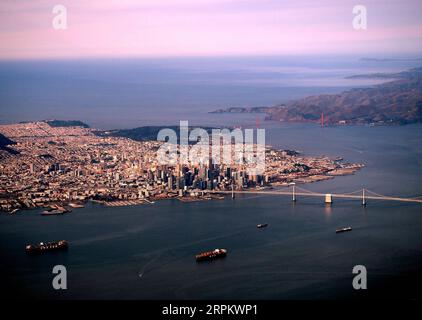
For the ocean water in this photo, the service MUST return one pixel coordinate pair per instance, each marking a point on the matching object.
(147, 251)
(130, 93)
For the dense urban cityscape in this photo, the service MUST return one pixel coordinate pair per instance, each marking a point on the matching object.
(57, 167)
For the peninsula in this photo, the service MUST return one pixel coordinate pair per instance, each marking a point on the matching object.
(65, 166)
(394, 102)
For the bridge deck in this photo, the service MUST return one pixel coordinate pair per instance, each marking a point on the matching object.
(314, 194)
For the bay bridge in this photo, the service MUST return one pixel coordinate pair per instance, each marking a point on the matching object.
(362, 194)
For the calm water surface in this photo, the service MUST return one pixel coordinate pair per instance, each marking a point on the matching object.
(147, 251)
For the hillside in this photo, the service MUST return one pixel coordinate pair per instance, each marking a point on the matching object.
(5, 142)
(66, 123)
(398, 101)
(146, 133)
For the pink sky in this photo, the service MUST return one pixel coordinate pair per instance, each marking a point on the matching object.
(156, 28)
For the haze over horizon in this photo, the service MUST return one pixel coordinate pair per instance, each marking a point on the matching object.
(185, 28)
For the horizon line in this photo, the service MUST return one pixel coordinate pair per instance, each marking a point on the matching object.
(377, 56)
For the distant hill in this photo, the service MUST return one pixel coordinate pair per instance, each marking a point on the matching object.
(66, 123)
(241, 110)
(398, 101)
(5, 142)
(412, 73)
(146, 133)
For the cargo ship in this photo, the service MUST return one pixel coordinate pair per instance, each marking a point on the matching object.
(54, 210)
(76, 205)
(344, 229)
(262, 225)
(47, 246)
(211, 255)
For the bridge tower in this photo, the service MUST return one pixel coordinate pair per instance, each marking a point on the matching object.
(293, 191)
(328, 198)
(363, 197)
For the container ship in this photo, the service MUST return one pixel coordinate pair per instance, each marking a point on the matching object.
(47, 246)
(344, 229)
(76, 205)
(211, 255)
(55, 210)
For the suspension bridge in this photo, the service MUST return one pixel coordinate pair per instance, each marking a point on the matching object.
(362, 194)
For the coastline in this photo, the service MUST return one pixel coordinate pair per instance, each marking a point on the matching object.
(188, 197)
(73, 164)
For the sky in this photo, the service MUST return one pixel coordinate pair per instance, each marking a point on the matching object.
(174, 28)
